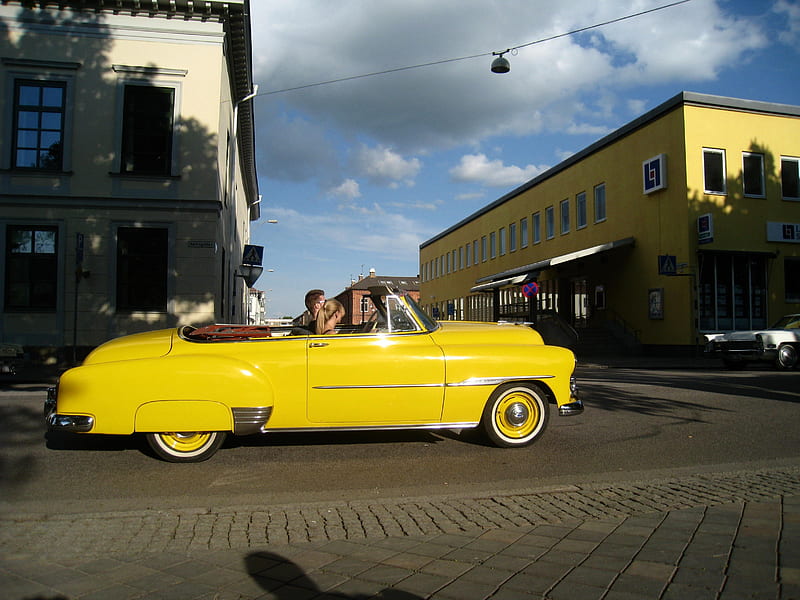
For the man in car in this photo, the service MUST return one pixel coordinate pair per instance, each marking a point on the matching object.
(314, 300)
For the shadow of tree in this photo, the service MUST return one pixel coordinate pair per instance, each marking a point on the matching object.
(285, 580)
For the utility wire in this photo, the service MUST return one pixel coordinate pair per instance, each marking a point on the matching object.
(450, 60)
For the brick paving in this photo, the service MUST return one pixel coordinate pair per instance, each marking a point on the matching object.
(721, 536)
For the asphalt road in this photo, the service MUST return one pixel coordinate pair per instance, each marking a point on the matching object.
(638, 424)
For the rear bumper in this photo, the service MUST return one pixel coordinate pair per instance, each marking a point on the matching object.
(70, 423)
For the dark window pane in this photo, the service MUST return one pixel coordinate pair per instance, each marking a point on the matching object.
(52, 96)
(790, 174)
(39, 125)
(713, 169)
(753, 175)
(28, 95)
(31, 268)
(147, 130)
(142, 269)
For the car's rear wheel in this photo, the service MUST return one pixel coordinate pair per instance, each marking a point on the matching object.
(787, 357)
(193, 446)
(515, 415)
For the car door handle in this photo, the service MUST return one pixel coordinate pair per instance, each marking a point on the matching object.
(317, 344)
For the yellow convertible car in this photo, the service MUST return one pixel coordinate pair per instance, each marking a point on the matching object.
(185, 389)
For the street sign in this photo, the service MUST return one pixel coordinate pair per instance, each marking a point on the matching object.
(530, 289)
(667, 264)
(253, 255)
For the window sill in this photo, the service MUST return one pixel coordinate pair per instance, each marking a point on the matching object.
(37, 172)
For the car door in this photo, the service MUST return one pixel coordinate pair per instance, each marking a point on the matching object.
(380, 378)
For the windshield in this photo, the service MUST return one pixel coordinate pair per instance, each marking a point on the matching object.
(788, 322)
(421, 315)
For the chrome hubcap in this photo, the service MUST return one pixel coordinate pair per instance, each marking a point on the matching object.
(517, 414)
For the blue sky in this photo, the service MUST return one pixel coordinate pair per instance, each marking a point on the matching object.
(358, 173)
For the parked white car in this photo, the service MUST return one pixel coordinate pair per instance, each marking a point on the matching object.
(779, 344)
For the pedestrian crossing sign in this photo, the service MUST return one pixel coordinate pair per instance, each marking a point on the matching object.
(253, 255)
(667, 264)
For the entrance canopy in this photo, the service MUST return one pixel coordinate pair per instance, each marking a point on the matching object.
(519, 275)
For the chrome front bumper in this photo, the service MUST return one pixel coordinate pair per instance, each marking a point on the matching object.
(575, 407)
(70, 423)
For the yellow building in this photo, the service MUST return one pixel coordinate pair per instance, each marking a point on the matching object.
(684, 221)
(127, 167)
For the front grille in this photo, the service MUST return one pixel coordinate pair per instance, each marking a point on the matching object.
(737, 346)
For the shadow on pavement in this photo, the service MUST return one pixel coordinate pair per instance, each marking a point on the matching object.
(285, 580)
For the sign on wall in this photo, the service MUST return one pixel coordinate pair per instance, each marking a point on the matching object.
(783, 232)
(705, 229)
(655, 173)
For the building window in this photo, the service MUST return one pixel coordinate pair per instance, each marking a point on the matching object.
(493, 244)
(31, 268)
(732, 291)
(523, 232)
(564, 216)
(537, 228)
(580, 210)
(365, 306)
(38, 136)
(147, 130)
(483, 248)
(503, 241)
(460, 257)
(753, 174)
(600, 203)
(449, 266)
(790, 178)
(791, 278)
(142, 259)
(714, 171)
(474, 252)
(512, 237)
(549, 222)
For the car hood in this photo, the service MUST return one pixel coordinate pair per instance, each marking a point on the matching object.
(454, 332)
(151, 344)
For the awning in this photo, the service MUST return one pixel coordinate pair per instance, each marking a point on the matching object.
(531, 271)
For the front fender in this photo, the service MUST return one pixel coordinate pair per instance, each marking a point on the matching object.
(184, 390)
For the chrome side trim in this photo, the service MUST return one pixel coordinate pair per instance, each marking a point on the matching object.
(71, 423)
(497, 380)
(373, 387)
(465, 425)
(248, 420)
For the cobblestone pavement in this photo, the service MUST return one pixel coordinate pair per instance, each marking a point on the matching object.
(723, 535)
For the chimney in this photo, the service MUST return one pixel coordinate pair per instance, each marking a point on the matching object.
(372, 272)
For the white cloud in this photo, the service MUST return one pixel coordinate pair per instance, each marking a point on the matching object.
(381, 165)
(478, 168)
(791, 12)
(347, 190)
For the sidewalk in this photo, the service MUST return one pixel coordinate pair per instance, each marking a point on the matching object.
(726, 535)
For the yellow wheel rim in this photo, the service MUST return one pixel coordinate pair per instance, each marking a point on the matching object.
(185, 442)
(517, 415)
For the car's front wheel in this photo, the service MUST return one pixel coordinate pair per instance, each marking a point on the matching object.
(194, 446)
(787, 357)
(515, 415)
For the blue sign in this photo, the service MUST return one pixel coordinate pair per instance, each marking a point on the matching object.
(253, 255)
(667, 264)
(655, 173)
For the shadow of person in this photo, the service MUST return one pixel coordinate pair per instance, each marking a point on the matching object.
(281, 578)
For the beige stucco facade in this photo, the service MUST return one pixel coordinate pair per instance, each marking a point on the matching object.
(199, 200)
(605, 270)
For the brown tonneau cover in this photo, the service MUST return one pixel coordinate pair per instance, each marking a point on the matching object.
(229, 332)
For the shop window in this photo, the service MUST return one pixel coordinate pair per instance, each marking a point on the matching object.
(580, 210)
(791, 278)
(790, 178)
(31, 265)
(564, 207)
(38, 137)
(549, 222)
(142, 259)
(732, 291)
(147, 130)
(523, 232)
(753, 174)
(600, 203)
(714, 171)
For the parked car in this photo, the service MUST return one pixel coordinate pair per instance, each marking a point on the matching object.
(184, 389)
(779, 344)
